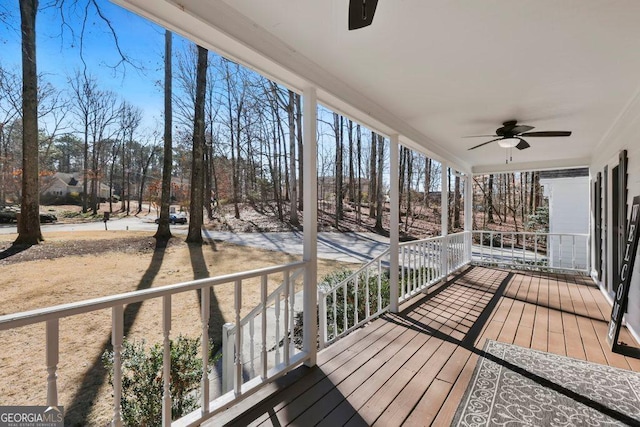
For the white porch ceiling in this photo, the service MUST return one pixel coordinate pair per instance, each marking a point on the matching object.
(434, 71)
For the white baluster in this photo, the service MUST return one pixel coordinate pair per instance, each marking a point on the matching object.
(53, 333)
(228, 357)
(380, 285)
(238, 306)
(117, 330)
(285, 337)
(277, 312)
(292, 315)
(205, 294)
(345, 309)
(368, 302)
(263, 299)
(252, 367)
(403, 271)
(355, 302)
(335, 313)
(322, 301)
(166, 360)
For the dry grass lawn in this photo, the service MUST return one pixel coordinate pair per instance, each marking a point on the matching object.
(126, 262)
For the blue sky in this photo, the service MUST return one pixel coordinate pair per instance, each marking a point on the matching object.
(59, 53)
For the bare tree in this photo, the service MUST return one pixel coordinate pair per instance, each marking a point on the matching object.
(197, 169)
(103, 114)
(84, 89)
(10, 107)
(337, 128)
(379, 185)
(373, 176)
(130, 119)
(293, 189)
(29, 232)
(164, 232)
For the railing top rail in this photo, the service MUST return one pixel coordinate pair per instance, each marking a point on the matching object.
(24, 318)
(537, 233)
(355, 273)
(429, 239)
(272, 297)
(383, 254)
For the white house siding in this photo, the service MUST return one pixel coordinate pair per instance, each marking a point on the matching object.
(568, 214)
(57, 188)
(625, 136)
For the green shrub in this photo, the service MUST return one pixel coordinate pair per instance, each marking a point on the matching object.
(538, 221)
(142, 379)
(334, 278)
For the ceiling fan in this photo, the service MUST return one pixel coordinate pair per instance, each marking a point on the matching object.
(511, 133)
(361, 13)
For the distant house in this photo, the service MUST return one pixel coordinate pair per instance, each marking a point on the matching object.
(568, 193)
(63, 184)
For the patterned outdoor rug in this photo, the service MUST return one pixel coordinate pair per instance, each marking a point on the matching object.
(518, 386)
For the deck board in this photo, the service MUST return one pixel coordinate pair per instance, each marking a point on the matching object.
(413, 367)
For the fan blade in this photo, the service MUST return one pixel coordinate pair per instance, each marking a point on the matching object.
(548, 133)
(484, 143)
(361, 13)
(521, 128)
(522, 144)
(480, 136)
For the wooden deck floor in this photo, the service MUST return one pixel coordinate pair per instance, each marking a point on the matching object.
(413, 367)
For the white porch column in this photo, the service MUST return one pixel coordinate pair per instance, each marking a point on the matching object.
(444, 218)
(444, 199)
(468, 213)
(394, 220)
(310, 222)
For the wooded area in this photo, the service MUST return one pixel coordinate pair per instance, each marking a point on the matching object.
(232, 138)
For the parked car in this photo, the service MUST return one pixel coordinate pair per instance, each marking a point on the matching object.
(47, 218)
(9, 216)
(175, 219)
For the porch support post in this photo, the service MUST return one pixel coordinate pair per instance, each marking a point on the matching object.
(444, 199)
(444, 218)
(310, 223)
(468, 214)
(394, 220)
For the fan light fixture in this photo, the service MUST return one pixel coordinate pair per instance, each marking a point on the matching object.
(508, 142)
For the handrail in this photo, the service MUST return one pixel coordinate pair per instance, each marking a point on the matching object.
(271, 298)
(29, 317)
(362, 268)
(534, 250)
(422, 263)
(51, 316)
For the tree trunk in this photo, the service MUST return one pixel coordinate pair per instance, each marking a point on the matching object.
(373, 179)
(300, 148)
(352, 188)
(490, 219)
(197, 162)
(409, 211)
(427, 181)
(380, 195)
(29, 232)
(293, 187)
(337, 122)
(456, 203)
(359, 192)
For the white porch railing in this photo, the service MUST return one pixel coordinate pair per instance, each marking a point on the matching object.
(241, 385)
(264, 348)
(535, 251)
(268, 332)
(365, 294)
